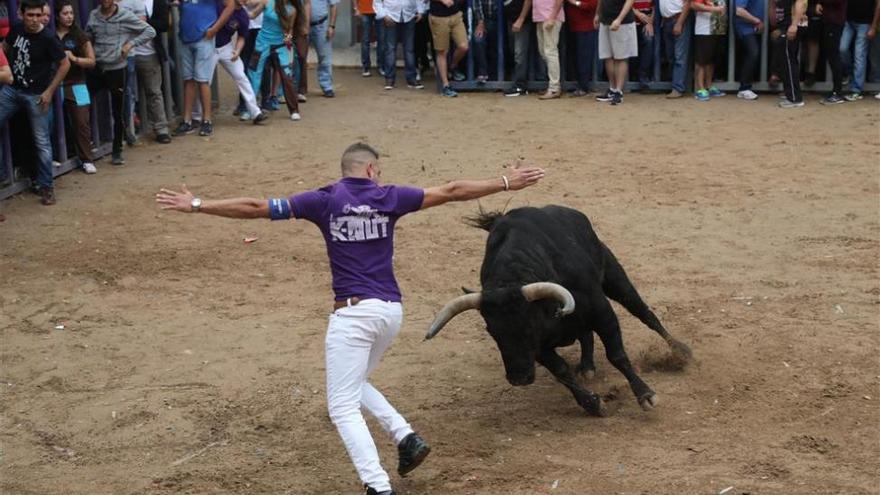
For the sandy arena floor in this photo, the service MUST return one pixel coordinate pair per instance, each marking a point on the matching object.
(191, 362)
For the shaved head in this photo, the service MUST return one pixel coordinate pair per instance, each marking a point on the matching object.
(357, 157)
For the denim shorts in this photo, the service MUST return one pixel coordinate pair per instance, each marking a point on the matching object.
(197, 61)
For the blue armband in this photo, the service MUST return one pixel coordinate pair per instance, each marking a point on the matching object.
(279, 209)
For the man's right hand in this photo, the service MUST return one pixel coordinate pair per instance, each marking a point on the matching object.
(174, 200)
(759, 27)
(517, 26)
(677, 29)
(548, 24)
(389, 22)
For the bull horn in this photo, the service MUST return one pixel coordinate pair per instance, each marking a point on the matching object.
(453, 308)
(545, 290)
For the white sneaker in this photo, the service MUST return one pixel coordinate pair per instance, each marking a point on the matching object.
(747, 94)
(245, 116)
(89, 168)
(877, 96)
(365, 73)
(295, 116)
(301, 98)
(56, 163)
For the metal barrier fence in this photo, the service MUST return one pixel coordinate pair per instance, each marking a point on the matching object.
(13, 179)
(728, 82)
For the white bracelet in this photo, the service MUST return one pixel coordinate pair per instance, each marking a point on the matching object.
(506, 183)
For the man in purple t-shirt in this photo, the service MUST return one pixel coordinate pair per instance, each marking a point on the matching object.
(357, 217)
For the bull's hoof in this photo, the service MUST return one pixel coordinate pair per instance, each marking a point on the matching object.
(649, 401)
(595, 407)
(585, 372)
(681, 351)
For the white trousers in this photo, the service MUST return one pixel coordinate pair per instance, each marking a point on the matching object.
(357, 337)
(236, 72)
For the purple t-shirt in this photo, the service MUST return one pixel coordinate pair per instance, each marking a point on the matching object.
(357, 217)
(238, 23)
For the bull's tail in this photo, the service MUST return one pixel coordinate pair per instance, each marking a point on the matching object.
(484, 219)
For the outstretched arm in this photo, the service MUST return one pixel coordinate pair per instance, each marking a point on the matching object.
(229, 208)
(464, 190)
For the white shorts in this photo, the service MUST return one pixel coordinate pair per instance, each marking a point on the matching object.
(619, 45)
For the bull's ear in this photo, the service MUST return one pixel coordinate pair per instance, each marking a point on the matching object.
(468, 291)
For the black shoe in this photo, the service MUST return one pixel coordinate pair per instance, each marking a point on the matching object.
(184, 128)
(411, 451)
(207, 128)
(370, 491)
(117, 159)
(515, 91)
(616, 98)
(260, 117)
(47, 195)
(328, 93)
(163, 138)
(415, 84)
(607, 96)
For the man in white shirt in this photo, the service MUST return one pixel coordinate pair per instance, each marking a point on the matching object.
(677, 32)
(148, 60)
(400, 18)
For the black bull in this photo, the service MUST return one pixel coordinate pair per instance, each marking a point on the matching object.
(537, 259)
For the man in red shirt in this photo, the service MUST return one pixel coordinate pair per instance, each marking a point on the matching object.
(580, 14)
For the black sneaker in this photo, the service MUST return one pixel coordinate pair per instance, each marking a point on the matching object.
(163, 138)
(206, 129)
(184, 128)
(515, 91)
(415, 85)
(260, 117)
(117, 159)
(411, 451)
(607, 96)
(370, 491)
(47, 196)
(616, 98)
(833, 99)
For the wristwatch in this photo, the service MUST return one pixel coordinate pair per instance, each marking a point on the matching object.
(195, 204)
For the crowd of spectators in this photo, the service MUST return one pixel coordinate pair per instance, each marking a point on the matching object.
(263, 45)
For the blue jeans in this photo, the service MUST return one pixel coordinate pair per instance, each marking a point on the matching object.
(406, 32)
(676, 49)
(12, 100)
(586, 44)
(370, 24)
(486, 50)
(324, 48)
(857, 62)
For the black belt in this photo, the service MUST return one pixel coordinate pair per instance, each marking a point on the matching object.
(319, 21)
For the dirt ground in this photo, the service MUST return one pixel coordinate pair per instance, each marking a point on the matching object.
(192, 362)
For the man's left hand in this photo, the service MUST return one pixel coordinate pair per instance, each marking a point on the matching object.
(548, 24)
(331, 32)
(615, 25)
(792, 32)
(174, 200)
(522, 177)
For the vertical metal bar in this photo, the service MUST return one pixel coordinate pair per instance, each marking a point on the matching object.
(173, 30)
(499, 32)
(658, 40)
(12, 5)
(731, 42)
(765, 36)
(166, 79)
(470, 54)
